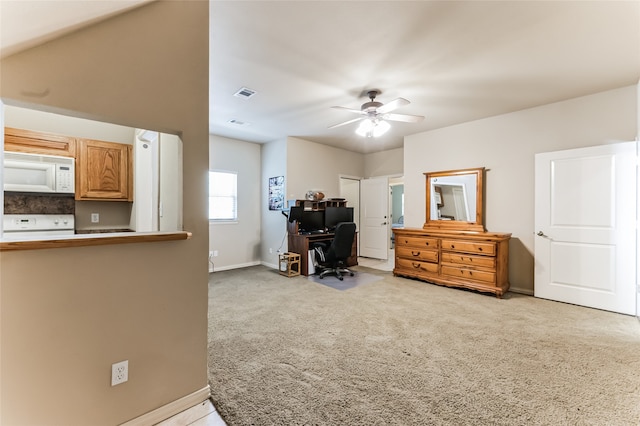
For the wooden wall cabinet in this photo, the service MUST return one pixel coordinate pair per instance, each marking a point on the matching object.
(104, 171)
(31, 142)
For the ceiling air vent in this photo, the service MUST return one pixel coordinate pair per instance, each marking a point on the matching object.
(244, 93)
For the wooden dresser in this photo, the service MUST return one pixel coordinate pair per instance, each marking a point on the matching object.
(473, 260)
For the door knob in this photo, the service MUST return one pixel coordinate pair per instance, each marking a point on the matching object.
(383, 223)
(540, 234)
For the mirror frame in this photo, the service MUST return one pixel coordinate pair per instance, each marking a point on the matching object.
(459, 225)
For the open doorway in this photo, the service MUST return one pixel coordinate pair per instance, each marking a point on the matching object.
(396, 205)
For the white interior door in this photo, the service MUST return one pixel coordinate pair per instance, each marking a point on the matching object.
(350, 191)
(459, 197)
(374, 209)
(585, 210)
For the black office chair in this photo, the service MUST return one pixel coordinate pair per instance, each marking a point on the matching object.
(333, 259)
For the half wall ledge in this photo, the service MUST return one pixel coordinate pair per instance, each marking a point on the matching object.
(80, 240)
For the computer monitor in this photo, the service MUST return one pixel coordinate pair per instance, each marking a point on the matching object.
(312, 220)
(334, 215)
(295, 213)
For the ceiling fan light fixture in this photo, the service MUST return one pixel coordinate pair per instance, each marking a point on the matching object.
(381, 128)
(365, 127)
(372, 128)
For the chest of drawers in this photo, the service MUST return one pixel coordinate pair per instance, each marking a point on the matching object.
(474, 260)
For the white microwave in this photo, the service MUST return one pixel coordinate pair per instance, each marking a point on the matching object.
(38, 173)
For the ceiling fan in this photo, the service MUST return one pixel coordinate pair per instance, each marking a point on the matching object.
(376, 114)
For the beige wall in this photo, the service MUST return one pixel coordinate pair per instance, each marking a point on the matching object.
(384, 163)
(638, 206)
(312, 166)
(238, 243)
(67, 314)
(506, 146)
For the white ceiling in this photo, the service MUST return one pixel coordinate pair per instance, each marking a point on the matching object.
(456, 61)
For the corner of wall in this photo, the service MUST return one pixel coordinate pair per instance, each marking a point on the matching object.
(274, 162)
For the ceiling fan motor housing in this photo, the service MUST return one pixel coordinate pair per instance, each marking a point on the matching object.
(371, 106)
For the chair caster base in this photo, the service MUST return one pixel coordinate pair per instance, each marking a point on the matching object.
(338, 273)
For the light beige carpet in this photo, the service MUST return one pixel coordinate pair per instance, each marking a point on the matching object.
(288, 351)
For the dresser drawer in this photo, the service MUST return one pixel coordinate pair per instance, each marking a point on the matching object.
(469, 247)
(468, 260)
(416, 266)
(431, 243)
(469, 274)
(417, 254)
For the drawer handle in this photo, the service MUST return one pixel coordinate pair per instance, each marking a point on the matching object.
(415, 265)
(426, 243)
(413, 253)
(479, 248)
(452, 246)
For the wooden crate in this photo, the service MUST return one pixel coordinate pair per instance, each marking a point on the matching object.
(289, 264)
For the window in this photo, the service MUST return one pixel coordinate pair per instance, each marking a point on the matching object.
(223, 196)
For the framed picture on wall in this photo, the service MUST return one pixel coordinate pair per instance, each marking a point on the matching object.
(276, 193)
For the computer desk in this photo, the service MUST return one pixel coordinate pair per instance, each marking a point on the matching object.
(301, 243)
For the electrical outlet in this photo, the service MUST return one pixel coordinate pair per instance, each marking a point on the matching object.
(270, 250)
(215, 253)
(119, 372)
(95, 217)
(210, 254)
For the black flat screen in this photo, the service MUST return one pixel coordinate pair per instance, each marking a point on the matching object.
(335, 215)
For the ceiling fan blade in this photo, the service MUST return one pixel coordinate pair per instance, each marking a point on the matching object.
(346, 122)
(357, 111)
(407, 118)
(394, 104)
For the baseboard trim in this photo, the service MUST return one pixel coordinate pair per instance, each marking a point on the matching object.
(171, 409)
(269, 265)
(521, 291)
(238, 266)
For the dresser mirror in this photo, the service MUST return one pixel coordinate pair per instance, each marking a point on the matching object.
(454, 199)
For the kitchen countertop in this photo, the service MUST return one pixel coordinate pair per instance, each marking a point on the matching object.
(93, 239)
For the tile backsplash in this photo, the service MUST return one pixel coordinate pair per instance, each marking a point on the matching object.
(27, 203)
(113, 215)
